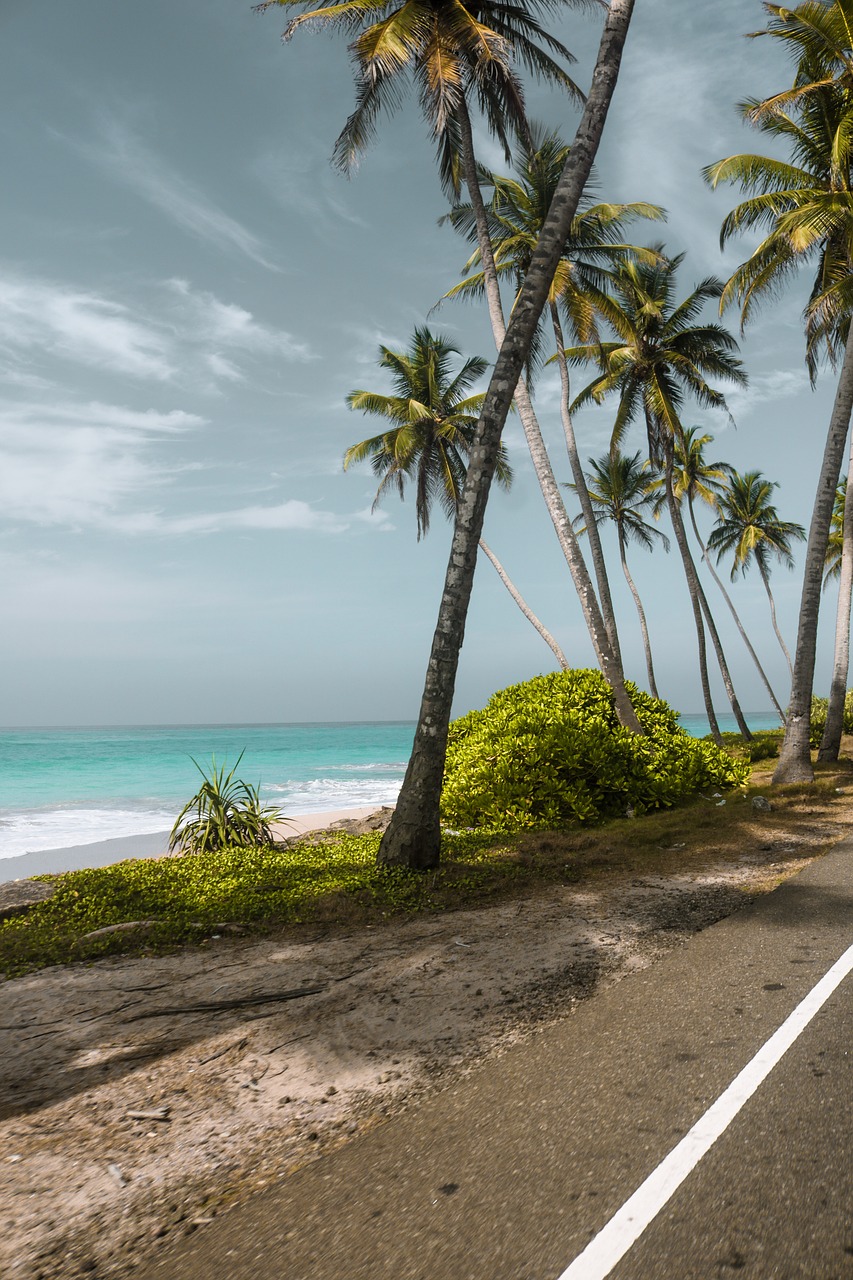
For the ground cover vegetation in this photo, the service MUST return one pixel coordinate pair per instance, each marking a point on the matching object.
(545, 247)
(331, 881)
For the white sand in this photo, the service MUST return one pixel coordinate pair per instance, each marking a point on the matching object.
(152, 845)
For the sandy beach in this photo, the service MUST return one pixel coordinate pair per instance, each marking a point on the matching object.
(150, 845)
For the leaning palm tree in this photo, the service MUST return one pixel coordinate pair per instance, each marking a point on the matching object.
(516, 211)
(660, 355)
(698, 479)
(806, 207)
(429, 427)
(749, 529)
(839, 564)
(619, 491)
(413, 838)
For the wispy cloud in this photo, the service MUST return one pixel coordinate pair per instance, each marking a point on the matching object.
(189, 337)
(96, 466)
(300, 181)
(80, 326)
(125, 156)
(207, 320)
(77, 464)
(764, 388)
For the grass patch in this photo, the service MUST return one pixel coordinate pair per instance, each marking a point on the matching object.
(186, 899)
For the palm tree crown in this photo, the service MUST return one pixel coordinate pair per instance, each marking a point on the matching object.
(806, 205)
(620, 489)
(660, 354)
(453, 50)
(431, 422)
(516, 211)
(749, 527)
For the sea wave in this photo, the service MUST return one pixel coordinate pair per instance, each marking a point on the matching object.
(30, 831)
(320, 794)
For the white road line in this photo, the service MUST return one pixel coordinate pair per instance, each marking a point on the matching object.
(628, 1224)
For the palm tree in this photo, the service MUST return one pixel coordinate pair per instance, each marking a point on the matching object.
(515, 215)
(697, 478)
(413, 838)
(807, 208)
(430, 423)
(835, 542)
(839, 564)
(661, 354)
(749, 528)
(619, 490)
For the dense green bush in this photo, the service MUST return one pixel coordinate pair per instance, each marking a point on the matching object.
(820, 707)
(551, 752)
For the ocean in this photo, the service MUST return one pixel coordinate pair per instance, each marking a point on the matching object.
(64, 787)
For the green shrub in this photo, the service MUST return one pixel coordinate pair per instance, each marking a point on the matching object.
(551, 752)
(227, 814)
(765, 745)
(820, 708)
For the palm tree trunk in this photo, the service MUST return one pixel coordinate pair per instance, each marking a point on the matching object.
(694, 590)
(707, 560)
(766, 580)
(608, 658)
(831, 741)
(596, 550)
(641, 613)
(795, 764)
(523, 605)
(728, 685)
(413, 837)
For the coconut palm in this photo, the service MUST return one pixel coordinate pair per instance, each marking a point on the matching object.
(749, 528)
(619, 490)
(660, 355)
(516, 211)
(806, 207)
(430, 422)
(835, 542)
(413, 838)
(839, 564)
(697, 479)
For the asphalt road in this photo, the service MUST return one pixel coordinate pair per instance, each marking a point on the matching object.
(510, 1173)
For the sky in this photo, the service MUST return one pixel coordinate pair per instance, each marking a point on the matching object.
(189, 291)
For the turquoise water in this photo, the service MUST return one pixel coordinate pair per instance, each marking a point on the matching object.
(61, 787)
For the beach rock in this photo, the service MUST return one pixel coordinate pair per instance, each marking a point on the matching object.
(377, 821)
(17, 896)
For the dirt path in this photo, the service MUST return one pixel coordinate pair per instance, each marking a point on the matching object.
(243, 1059)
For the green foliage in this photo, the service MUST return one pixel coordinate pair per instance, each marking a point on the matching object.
(765, 745)
(820, 709)
(227, 814)
(551, 752)
(189, 898)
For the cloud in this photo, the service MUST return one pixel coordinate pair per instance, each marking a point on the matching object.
(195, 337)
(291, 516)
(125, 156)
(88, 465)
(208, 321)
(77, 464)
(764, 388)
(299, 180)
(80, 326)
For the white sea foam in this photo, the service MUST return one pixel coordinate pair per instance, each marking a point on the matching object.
(34, 830)
(333, 793)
